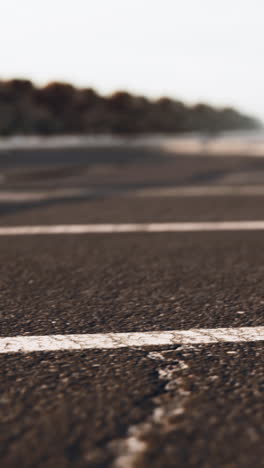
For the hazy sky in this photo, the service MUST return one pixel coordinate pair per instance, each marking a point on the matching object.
(210, 50)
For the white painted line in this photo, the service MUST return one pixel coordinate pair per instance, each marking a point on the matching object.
(27, 344)
(130, 228)
(8, 196)
(200, 191)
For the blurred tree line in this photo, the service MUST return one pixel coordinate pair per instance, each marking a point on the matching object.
(60, 108)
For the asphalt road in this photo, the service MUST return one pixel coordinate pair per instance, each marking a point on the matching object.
(165, 406)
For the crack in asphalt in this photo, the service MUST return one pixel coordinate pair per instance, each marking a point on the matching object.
(169, 408)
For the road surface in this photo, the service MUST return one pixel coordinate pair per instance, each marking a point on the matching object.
(76, 393)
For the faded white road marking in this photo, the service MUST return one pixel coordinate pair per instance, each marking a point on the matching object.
(8, 196)
(22, 196)
(200, 191)
(124, 340)
(132, 227)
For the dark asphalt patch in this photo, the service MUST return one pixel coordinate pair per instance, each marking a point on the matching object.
(58, 409)
(130, 282)
(135, 210)
(123, 167)
(28, 158)
(77, 409)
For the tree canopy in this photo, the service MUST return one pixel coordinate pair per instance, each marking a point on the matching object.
(61, 108)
